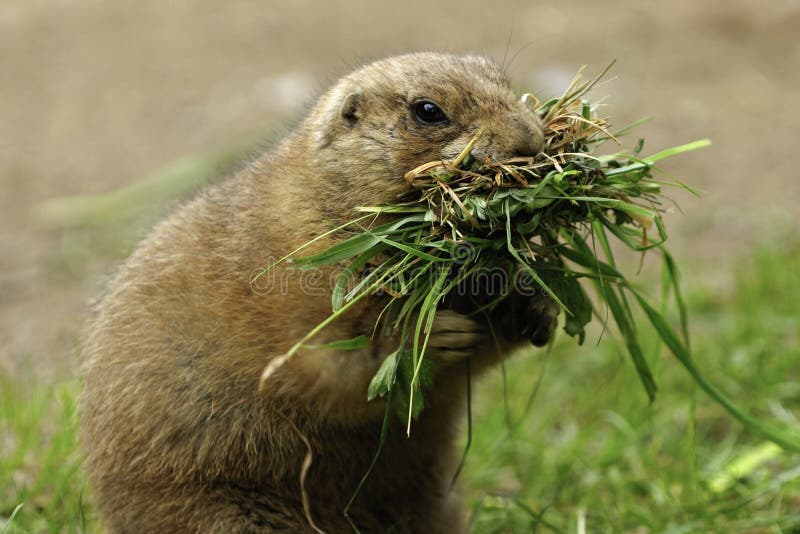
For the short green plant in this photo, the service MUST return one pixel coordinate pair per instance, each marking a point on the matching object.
(41, 485)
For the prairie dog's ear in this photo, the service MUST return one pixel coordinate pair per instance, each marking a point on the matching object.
(350, 111)
(340, 108)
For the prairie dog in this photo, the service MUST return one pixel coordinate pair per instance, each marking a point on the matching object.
(177, 433)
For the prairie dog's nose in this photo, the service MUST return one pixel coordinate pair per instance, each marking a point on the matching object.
(529, 139)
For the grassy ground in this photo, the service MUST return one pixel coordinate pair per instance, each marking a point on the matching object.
(584, 450)
(40, 462)
(590, 450)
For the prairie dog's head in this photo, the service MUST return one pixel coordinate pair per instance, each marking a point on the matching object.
(392, 115)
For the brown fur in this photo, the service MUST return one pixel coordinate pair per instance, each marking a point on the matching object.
(177, 434)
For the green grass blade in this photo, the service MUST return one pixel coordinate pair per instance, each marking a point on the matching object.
(620, 311)
(414, 251)
(339, 287)
(674, 151)
(10, 520)
(613, 203)
(355, 343)
(355, 245)
(671, 267)
(783, 437)
(345, 250)
(468, 444)
(582, 255)
(427, 314)
(627, 328)
(624, 234)
(524, 264)
(392, 209)
(373, 463)
(744, 465)
(649, 161)
(308, 243)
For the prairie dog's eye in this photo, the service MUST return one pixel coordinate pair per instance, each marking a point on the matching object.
(428, 112)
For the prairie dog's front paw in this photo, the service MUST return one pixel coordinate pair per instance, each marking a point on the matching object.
(532, 318)
(453, 336)
(541, 320)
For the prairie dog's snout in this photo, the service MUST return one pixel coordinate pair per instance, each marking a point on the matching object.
(530, 139)
(516, 133)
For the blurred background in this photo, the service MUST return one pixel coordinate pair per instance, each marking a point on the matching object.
(112, 111)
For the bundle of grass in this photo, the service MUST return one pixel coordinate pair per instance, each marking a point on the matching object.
(548, 217)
